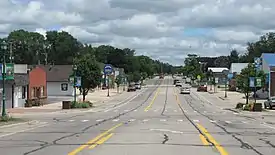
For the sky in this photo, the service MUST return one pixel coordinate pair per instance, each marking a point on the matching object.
(167, 30)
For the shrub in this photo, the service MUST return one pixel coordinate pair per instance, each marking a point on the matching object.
(77, 105)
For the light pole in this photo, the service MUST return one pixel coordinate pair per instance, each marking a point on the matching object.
(225, 72)
(108, 95)
(75, 69)
(4, 48)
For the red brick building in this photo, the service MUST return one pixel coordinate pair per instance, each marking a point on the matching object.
(37, 83)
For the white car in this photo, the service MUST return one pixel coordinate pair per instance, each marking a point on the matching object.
(185, 90)
(178, 84)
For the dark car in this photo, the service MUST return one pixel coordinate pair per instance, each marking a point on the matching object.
(270, 103)
(131, 87)
(202, 88)
(175, 81)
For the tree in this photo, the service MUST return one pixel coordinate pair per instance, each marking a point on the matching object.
(243, 79)
(136, 76)
(118, 81)
(222, 61)
(89, 71)
(234, 56)
(192, 66)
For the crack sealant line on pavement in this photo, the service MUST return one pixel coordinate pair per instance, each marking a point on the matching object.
(207, 136)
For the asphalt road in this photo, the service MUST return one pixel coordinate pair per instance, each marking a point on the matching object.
(159, 121)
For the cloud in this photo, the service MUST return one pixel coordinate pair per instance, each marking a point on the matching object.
(164, 29)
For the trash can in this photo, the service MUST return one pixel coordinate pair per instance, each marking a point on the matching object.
(66, 104)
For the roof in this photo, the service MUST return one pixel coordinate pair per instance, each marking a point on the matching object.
(57, 73)
(237, 67)
(269, 58)
(217, 69)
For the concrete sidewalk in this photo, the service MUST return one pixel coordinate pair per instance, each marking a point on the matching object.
(98, 97)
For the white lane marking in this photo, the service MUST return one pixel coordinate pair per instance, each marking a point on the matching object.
(39, 126)
(195, 111)
(132, 120)
(99, 120)
(166, 130)
(115, 120)
(212, 121)
(155, 110)
(235, 113)
(185, 111)
(71, 120)
(180, 120)
(85, 120)
(115, 110)
(196, 121)
(145, 120)
(135, 110)
(228, 122)
(204, 111)
(132, 98)
(175, 111)
(264, 124)
(126, 110)
(165, 110)
(244, 122)
(163, 120)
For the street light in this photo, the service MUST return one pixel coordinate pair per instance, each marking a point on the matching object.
(75, 69)
(4, 48)
(225, 72)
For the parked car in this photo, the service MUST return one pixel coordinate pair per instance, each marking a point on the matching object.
(202, 88)
(137, 85)
(131, 87)
(270, 103)
(178, 84)
(185, 90)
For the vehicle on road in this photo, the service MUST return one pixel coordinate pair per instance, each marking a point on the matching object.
(131, 87)
(178, 84)
(175, 81)
(185, 90)
(138, 85)
(270, 103)
(202, 88)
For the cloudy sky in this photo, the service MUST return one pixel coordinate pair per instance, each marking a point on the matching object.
(163, 29)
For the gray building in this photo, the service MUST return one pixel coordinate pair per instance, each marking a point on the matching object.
(16, 90)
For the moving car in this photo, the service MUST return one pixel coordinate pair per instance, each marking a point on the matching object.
(270, 103)
(131, 87)
(137, 85)
(175, 81)
(178, 84)
(185, 90)
(202, 88)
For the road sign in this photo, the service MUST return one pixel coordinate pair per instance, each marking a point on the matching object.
(77, 82)
(258, 62)
(199, 77)
(230, 76)
(108, 69)
(258, 82)
(251, 81)
(9, 71)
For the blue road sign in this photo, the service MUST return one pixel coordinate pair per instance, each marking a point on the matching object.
(251, 81)
(108, 69)
(258, 63)
(78, 82)
(230, 76)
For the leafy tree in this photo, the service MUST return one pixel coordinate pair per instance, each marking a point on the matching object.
(89, 71)
(243, 79)
(136, 76)
(192, 66)
(234, 56)
(222, 61)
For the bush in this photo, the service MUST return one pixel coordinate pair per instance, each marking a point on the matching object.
(85, 104)
(249, 107)
(240, 105)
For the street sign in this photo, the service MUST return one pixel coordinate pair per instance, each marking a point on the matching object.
(9, 71)
(230, 76)
(199, 77)
(251, 81)
(258, 62)
(258, 82)
(77, 82)
(108, 69)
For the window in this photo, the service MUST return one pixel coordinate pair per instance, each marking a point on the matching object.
(23, 92)
(42, 91)
(64, 87)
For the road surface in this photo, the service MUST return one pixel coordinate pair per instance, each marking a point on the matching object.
(158, 121)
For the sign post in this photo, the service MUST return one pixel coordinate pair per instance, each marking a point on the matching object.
(107, 71)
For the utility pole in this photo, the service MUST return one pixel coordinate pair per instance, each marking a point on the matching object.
(4, 48)
(11, 58)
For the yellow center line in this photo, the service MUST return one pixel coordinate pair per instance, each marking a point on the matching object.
(212, 140)
(204, 140)
(101, 141)
(94, 140)
(153, 100)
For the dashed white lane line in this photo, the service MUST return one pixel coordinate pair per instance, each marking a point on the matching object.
(99, 120)
(165, 110)
(180, 120)
(115, 120)
(155, 110)
(163, 120)
(195, 111)
(264, 124)
(145, 120)
(244, 122)
(85, 120)
(228, 122)
(235, 113)
(196, 121)
(132, 120)
(212, 121)
(175, 111)
(71, 120)
(115, 110)
(126, 110)
(135, 110)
